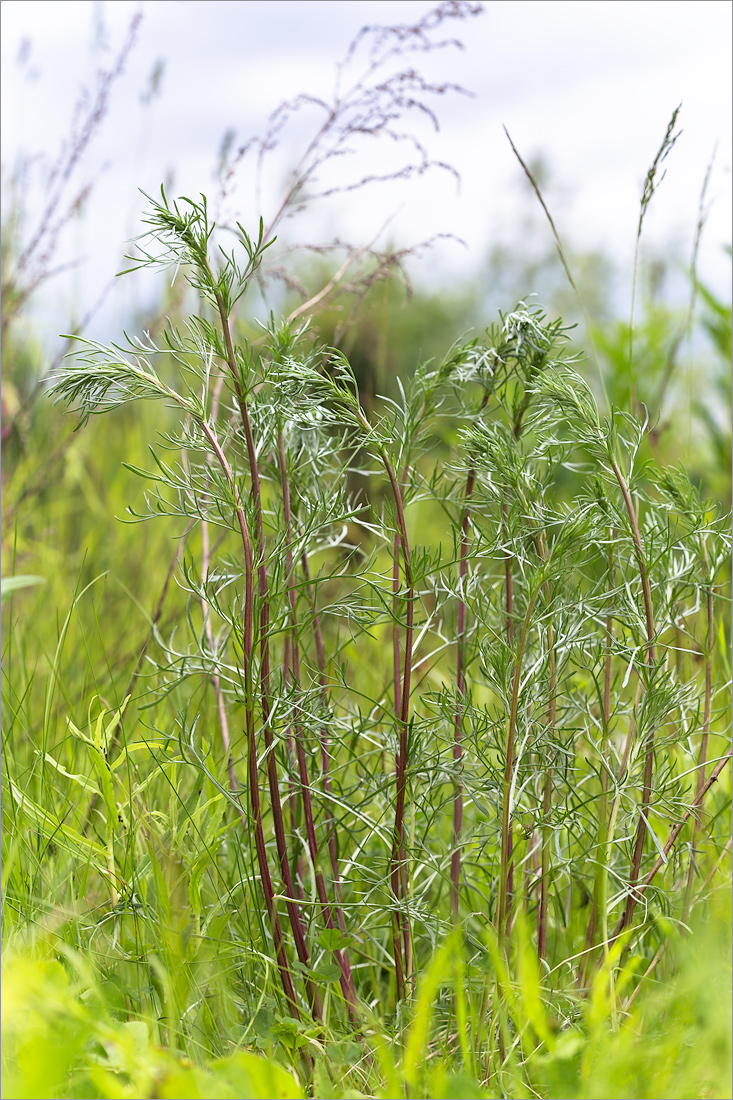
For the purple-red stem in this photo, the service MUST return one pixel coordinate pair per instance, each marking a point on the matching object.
(398, 868)
(325, 762)
(341, 956)
(254, 790)
(508, 579)
(673, 834)
(455, 863)
(272, 776)
(398, 873)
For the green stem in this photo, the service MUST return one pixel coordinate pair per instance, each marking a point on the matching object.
(111, 869)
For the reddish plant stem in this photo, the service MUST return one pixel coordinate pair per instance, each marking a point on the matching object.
(254, 790)
(646, 796)
(292, 798)
(398, 868)
(455, 863)
(398, 697)
(398, 862)
(272, 776)
(672, 837)
(325, 762)
(341, 956)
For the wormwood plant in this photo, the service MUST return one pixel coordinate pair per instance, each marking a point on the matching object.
(486, 697)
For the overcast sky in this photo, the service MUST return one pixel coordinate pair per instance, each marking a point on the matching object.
(588, 85)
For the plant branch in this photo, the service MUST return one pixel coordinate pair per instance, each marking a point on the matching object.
(254, 790)
(669, 843)
(341, 956)
(273, 782)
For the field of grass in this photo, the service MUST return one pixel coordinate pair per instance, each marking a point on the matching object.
(358, 753)
(364, 735)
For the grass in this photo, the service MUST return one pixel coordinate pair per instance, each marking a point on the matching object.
(371, 772)
(393, 758)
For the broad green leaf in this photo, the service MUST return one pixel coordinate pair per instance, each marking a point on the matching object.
(331, 939)
(328, 972)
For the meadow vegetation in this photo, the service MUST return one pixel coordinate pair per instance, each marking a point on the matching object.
(364, 735)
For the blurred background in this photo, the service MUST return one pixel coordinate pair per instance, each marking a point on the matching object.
(585, 90)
